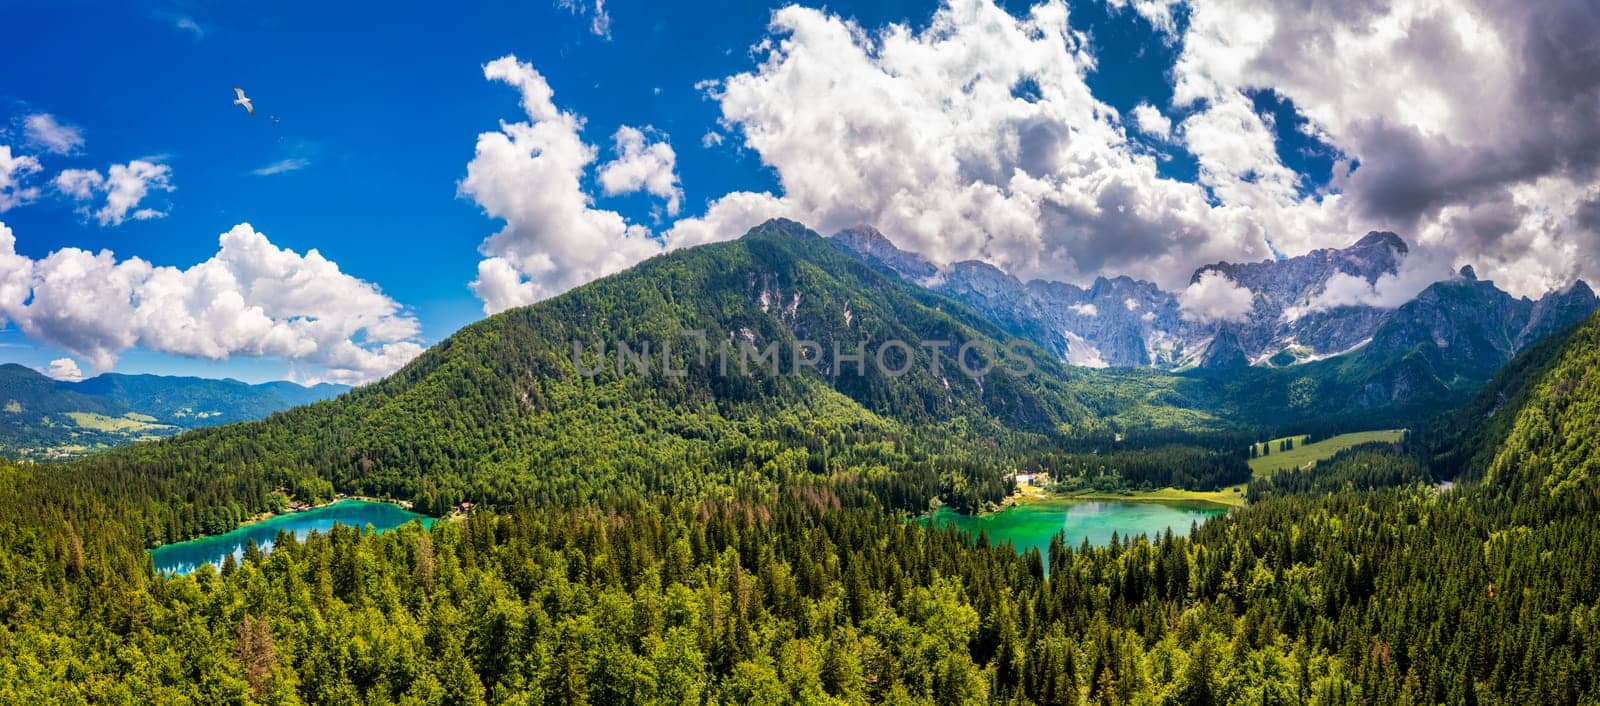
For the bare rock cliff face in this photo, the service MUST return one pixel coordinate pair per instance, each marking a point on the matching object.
(1470, 326)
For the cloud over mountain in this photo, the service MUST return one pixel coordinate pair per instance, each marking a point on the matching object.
(1474, 126)
(642, 166)
(936, 137)
(64, 369)
(1213, 298)
(530, 174)
(977, 136)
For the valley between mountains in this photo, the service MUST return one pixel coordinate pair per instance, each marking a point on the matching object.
(754, 536)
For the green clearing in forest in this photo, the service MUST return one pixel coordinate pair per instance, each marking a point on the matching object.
(1304, 454)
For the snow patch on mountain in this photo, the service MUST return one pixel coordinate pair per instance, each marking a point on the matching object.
(1287, 311)
(1081, 353)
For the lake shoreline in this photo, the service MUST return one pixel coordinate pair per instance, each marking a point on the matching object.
(1304, 455)
(1221, 498)
(358, 512)
(1231, 497)
(1035, 524)
(269, 514)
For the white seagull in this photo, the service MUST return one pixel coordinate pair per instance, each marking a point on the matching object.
(241, 100)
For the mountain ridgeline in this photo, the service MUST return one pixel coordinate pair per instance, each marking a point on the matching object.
(783, 287)
(501, 411)
(45, 418)
(1303, 353)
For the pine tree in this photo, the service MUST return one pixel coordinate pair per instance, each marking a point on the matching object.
(255, 650)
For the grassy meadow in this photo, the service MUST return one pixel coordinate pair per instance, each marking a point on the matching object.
(1304, 454)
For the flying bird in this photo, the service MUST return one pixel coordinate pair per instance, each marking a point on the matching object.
(242, 100)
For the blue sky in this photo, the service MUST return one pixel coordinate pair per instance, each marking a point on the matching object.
(381, 104)
(367, 116)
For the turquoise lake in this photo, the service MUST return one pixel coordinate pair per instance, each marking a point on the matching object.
(1032, 524)
(184, 557)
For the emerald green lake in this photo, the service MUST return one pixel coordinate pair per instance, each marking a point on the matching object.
(1032, 524)
(184, 557)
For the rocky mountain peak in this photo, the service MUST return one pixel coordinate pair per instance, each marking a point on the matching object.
(980, 271)
(869, 244)
(865, 236)
(1381, 238)
(1558, 310)
(1121, 321)
(1376, 254)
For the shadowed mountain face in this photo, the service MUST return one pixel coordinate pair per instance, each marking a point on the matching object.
(1125, 322)
(43, 418)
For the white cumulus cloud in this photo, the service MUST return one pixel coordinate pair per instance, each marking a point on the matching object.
(1417, 270)
(64, 369)
(1214, 298)
(1151, 122)
(530, 175)
(14, 171)
(1159, 13)
(251, 298)
(975, 135)
(642, 166)
(121, 189)
(1492, 168)
(80, 184)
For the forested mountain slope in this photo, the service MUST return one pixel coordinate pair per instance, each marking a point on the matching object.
(1467, 440)
(1554, 439)
(500, 413)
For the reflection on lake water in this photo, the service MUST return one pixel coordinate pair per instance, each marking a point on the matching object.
(184, 557)
(1032, 524)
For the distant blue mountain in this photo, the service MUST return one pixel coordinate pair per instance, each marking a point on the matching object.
(45, 418)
